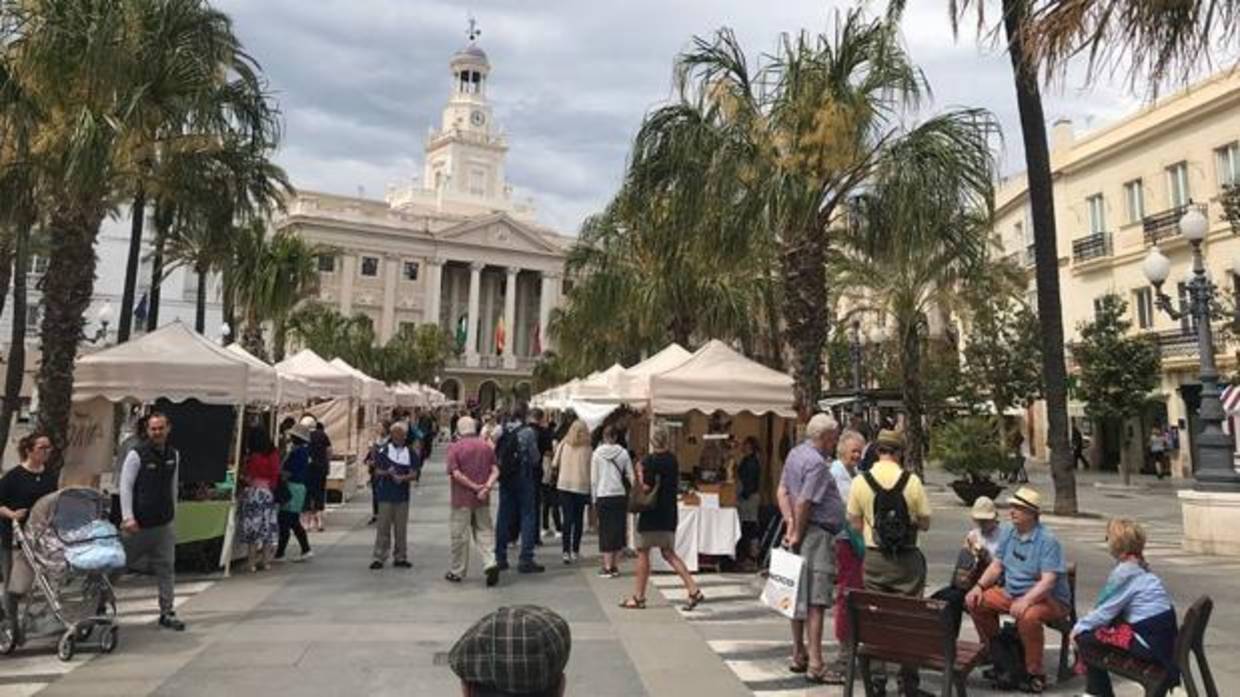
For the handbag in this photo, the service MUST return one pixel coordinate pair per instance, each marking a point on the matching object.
(281, 492)
(783, 583)
(641, 500)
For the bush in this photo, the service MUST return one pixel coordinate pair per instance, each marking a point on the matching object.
(971, 447)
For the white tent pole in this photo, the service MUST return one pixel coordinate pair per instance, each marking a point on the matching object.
(230, 529)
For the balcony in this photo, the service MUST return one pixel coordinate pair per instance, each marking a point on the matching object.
(1231, 206)
(1093, 246)
(525, 364)
(1167, 223)
(1031, 257)
(1175, 343)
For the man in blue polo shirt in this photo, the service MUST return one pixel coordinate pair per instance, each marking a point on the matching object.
(1035, 583)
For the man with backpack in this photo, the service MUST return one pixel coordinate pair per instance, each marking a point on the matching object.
(813, 515)
(518, 455)
(890, 506)
(1028, 580)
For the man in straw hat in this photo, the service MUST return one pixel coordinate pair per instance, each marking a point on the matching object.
(893, 562)
(1034, 588)
(520, 650)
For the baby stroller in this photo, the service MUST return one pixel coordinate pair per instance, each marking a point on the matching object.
(67, 550)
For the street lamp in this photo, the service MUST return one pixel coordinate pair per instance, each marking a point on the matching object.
(104, 318)
(1215, 471)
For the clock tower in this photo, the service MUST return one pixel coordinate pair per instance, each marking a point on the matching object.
(465, 156)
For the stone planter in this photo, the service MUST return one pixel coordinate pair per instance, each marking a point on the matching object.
(969, 490)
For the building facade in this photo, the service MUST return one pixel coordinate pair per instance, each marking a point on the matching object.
(455, 248)
(1118, 191)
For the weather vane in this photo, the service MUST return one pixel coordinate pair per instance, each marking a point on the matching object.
(474, 32)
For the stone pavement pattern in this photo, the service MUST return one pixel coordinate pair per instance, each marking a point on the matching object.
(331, 626)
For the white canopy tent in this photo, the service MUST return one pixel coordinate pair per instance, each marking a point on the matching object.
(174, 363)
(717, 378)
(325, 380)
(370, 390)
(601, 387)
(407, 395)
(633, 387)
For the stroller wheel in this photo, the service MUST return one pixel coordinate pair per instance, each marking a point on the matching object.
(84, 630)
(66, 647)
(107, 641)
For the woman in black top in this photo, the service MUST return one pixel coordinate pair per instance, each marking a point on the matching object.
(20, 488)
(749, 476)
(657, 526)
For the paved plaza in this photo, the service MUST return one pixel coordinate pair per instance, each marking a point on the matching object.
(332, 627)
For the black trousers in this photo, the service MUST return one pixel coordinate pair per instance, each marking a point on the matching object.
(549, 504)
(291, 522)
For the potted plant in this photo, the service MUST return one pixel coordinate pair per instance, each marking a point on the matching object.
(971, 447)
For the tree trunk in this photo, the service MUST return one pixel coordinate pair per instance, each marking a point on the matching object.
(163, 223)
(279, 338)
(775, 344)
(8, 243)
(805, 297)
(252, 337)
(200, 303)
(67, 289)
(229, 306)
(16, 368)
(914, 400)
(125, 321)
(1042, 205)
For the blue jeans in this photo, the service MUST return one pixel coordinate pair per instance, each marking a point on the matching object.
(517, 502)
(574, 506)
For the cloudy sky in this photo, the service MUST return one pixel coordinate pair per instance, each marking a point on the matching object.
(360, 81)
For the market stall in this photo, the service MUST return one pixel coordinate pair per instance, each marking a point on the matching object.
(172, 366)
(335, 393)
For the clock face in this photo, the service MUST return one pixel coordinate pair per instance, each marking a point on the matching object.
(477, 118)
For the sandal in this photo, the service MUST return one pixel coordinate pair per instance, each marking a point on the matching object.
(633, 603)
(694, 600)
(1034, 684)
(798, 665)
(824, 676)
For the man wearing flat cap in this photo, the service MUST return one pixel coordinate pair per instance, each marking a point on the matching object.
(1034, 587)
(519, 650)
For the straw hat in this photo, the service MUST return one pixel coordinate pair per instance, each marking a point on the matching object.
(984, 509)
(1028, 498)
(890, 439)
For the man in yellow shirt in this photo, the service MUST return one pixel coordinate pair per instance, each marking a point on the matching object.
(891, 565)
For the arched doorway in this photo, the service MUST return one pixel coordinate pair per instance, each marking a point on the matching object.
(451, 389)
(488, 395)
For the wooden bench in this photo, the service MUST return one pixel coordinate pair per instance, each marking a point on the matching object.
(1152, 676)
(908, 631)
(1064, 627)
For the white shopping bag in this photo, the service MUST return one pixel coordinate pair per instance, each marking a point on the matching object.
(783, 582)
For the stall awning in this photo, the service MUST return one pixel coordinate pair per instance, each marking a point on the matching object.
(717, 378)
(326, 380)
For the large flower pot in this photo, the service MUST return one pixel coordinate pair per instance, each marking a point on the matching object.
(970, 489)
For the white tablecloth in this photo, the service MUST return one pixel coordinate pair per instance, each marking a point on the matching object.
(713, 531)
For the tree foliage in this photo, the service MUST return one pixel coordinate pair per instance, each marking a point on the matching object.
(411, 355)
(1002, 354)
(1118, 371)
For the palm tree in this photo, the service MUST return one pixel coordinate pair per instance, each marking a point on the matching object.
(270, 278)
(181, 99)
(919, 231)
(1017, 18)
(812, 119)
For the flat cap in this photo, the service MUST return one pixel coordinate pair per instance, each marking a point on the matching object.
(518, 649)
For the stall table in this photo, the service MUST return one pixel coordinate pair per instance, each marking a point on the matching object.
(711, 531)
(198, 521)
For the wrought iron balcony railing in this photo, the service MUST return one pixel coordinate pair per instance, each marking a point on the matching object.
(1175, 342)
(1167, 223)
(1093, 246)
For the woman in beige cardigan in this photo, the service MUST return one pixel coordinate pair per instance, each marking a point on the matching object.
(572, 462)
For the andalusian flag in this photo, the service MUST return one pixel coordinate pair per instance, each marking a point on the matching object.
(537, 340)
(499, 337)
(462, 332)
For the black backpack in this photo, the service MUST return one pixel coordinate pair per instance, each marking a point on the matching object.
(1008, 654)
(509, 453)
(893, 527)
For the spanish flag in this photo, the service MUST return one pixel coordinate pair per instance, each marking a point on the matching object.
(499, 337)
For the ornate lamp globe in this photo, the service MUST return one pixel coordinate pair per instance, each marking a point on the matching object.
(1193, 225)
(1156, 267)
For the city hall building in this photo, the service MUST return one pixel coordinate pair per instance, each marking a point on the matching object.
(454, 248)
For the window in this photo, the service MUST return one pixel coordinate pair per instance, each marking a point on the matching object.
(1227, 162)
(1097, 214)
(327, 263)
(1177, 185)
(1019, 233)
(1143, 300)
(477, 181)
(566, 287)
(406, 329)
(38, 264)
(1188, 323)
(34, 316)
(370, 267)
(1098, 307)
(1134, 200)
(410, 271)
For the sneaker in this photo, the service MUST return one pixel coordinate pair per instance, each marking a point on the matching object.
(614, 573)
(492, 574)
(605, 572)
(402, 564)
(501, 566)
(376, 565)
(530, 567)
(168, 620)
(305, 556)
(568, 558)
(576, 557)
(372, 520)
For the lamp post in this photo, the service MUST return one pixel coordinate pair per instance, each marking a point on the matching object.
(104, 318)
(1215, 471)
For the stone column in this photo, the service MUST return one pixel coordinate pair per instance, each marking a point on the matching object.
(546, 298)
(510, 319)
(471, 332)
(387, 320)
(434, 290)
(348, 272)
